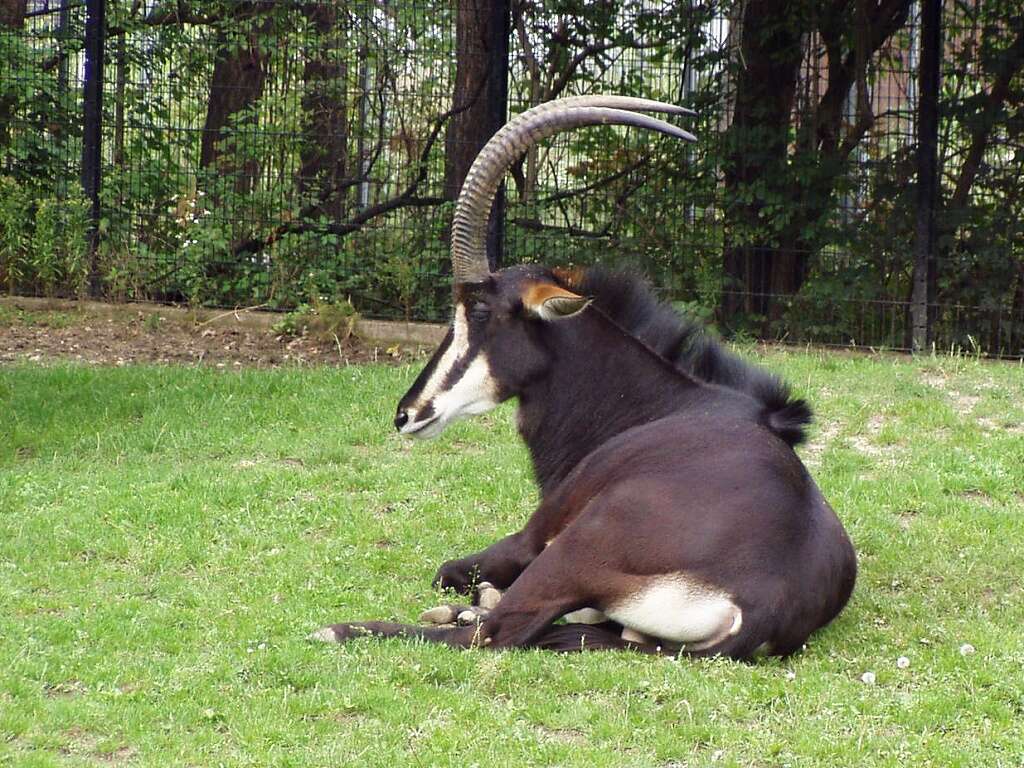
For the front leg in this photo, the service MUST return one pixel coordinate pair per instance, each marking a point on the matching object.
(501, 563)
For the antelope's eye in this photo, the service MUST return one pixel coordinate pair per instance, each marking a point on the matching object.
(480, 313)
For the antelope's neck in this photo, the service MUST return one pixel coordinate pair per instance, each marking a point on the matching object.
(602, 382)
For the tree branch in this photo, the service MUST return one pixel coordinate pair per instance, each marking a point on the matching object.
(535, 225)
(181, 12)
(881, 21)
(407, 198)
(1008, 66)
(599, 184)
(565, 77)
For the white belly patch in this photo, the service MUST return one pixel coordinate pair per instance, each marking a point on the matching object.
(678, 609)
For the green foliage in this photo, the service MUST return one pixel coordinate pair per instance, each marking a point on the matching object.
(322, 320)
(152, 323)
(14, 217)
(702, 313)
(44, 241)
(59, 253)
(11, 316)
(338, 122)
(410, 265)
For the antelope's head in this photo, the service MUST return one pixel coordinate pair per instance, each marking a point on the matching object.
(495, 345)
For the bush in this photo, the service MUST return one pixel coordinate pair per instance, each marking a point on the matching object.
(14, 216)
(321, 320)
(44, 241)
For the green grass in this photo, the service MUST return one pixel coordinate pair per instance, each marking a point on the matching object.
(168, 537)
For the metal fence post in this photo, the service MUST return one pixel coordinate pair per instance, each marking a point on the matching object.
(927, 175)
(92, 136)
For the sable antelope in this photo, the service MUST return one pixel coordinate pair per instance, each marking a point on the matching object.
(675, 514)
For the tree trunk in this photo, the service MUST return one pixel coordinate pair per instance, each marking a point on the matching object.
(923, 291)
(771, 45)
(324, 154)
(12, 14)
(239, 75)
(1015, 344)
(12, 21)
(481, 85)
(1004, 70)
(994, 99)
(768, 249)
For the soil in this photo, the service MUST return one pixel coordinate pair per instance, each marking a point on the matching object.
(125, 334)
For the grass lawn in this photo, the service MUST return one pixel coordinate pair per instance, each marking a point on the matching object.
(168, 537)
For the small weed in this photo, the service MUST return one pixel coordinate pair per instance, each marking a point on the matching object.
(323, 321)
(152, 323)
(8, 316)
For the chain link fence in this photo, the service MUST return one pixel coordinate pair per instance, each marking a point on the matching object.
(279, 152)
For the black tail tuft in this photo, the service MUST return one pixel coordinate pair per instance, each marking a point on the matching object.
(786, 417)
(790, 421)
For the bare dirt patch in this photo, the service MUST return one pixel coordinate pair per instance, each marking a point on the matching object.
(81, 743)
(989, 424)
(826, 433)
(962, 402)
(978, 497)
(125, 335)
(65, 688)
(865, 442)
(287, 461)
(572, 736)
(906, 518)
(119, 756)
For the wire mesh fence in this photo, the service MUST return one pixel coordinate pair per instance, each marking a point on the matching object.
(278, 152)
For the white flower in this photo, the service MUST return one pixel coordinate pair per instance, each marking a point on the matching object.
(966, 649)
(868, 678)
(902, 662)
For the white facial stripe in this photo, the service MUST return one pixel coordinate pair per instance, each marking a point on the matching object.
(474, 392)
(455, 352)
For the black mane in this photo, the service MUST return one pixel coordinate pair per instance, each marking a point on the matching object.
(629, 301)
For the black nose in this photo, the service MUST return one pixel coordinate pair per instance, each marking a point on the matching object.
(401, 419)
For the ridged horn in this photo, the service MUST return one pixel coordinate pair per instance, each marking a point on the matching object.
(469, 226)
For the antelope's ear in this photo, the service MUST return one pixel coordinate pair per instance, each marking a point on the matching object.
(551, 302)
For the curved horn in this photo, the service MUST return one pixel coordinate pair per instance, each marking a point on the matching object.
(469, 226)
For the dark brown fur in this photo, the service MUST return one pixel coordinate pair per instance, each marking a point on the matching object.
(657, 453)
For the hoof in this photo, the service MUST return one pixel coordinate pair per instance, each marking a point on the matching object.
(451, 615)
(489, 597)
(442, 614)
(325, 635)
(342, 633)
(632, 636)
